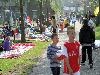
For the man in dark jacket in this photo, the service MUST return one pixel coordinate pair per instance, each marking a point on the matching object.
(87, 38)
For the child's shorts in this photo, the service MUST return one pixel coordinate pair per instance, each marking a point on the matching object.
(76, 73)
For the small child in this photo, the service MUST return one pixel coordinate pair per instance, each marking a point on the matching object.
(52, 55)
(72, 52)
(6, 44)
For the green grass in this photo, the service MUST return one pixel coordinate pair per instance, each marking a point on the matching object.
(98, 33)
(23, 64)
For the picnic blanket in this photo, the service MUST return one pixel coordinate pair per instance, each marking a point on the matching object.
(17, 50)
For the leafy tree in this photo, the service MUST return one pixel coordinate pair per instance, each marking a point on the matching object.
(57, 5)
(93, 4)
(4, 7)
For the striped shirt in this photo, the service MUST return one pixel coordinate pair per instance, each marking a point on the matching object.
(51, 54)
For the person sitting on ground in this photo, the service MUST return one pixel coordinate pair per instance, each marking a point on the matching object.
(6, 44)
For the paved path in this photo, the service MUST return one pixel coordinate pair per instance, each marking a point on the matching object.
(42, 68)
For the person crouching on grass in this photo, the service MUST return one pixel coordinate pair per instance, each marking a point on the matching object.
(72, 52)
(52, 55)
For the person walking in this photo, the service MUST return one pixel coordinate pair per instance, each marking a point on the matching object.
(54, 24)
(72, 53)
(86, 38)
(52, 55)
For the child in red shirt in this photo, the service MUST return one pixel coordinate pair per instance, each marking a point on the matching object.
(71, 50)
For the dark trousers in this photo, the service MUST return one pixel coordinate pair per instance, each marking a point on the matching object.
(54, 30)
(55, 70)
(87, 49)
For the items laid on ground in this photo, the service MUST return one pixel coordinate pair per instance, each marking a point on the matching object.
(17, 50)
(45, 36)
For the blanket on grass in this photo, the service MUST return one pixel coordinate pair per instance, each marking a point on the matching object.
(17, 50)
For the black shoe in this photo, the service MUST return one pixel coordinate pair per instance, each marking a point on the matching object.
(82, 63)
(91, 66)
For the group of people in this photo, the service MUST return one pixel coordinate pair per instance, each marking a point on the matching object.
(62, 23)
(71, 53)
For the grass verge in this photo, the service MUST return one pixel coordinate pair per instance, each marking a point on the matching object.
(23, 64)
(98, 33)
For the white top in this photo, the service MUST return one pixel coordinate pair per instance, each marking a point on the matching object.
(64, 52)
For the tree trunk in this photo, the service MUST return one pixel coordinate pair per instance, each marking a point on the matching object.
(22, 23)
(47, 13)
(40, 17)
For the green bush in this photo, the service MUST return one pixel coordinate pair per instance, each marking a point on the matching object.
(98, 32)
